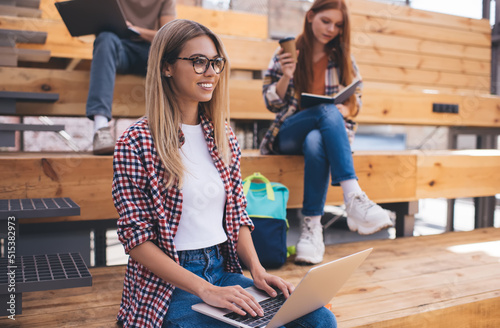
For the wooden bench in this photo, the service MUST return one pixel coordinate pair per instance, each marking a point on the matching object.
(447, 280)
(406, 74)
(395, 176)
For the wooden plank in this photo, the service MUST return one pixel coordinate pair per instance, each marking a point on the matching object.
(230, 22)
(459, 286)
(393, 11)
(405, 28)
(385, 176)
(454, 174)
(84, 178)
(428, 47)
(388, 105)
(20, 11)
(403, 76)
(87, 179)
(393, 58)
(62, 44)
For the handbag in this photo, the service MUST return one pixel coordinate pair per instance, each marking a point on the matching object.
(266, 206)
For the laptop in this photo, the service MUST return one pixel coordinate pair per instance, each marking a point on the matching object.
(316, 289)
(84, 17)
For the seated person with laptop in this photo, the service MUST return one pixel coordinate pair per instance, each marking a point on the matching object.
(178, 191)
(112, 55)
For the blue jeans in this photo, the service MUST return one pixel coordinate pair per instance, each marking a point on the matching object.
(208, 263)
(112, 55)
(319, 134)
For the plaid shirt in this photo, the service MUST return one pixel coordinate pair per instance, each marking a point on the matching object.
(149, 211)
(290, 104)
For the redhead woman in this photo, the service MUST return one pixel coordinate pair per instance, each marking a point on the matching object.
(322, 134)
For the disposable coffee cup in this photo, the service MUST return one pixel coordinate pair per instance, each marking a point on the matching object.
(288, 45)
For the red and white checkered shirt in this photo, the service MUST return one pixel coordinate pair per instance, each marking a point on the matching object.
(149, 211)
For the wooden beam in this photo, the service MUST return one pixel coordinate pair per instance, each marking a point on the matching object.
(458, 174)
(386, 177)
(232, 23)
(408, 60)
(397, 12)
(372, 72)
(406, 28)
(380, 105)
(243, 52)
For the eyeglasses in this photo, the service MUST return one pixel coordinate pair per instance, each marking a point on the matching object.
(201, 63)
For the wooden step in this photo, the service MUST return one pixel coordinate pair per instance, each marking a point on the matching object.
(11, 56)
(446, 280)
(23, 36)
(382, 104)
(18, 11)
(386, 176)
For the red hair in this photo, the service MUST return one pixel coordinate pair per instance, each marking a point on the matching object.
(338, 49)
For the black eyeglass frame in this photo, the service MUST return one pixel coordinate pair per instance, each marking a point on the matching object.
(209, 61)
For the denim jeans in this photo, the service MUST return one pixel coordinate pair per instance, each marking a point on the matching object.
(112, 55)
(319, 134)
(208, 263)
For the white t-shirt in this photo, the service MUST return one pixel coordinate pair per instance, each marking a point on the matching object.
(203, 192)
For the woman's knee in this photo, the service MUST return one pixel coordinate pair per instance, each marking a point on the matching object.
(313, 145)
(107, 40)
(326, 318)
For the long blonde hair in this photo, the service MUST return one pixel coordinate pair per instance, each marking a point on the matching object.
(162, 110)
(339, 49)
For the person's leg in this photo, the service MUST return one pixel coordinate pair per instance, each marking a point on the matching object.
(108, 56)
(363, 215)
(321, 318)
(206, 263)
(300, 135)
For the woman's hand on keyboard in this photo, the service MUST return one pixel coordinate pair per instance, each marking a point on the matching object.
(233, 298)
(269, 283)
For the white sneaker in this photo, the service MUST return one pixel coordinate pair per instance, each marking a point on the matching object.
(310, 248)
(365, 216)
(104, 143)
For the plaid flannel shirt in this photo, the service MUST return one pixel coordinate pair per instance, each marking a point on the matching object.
(149, 211)
(290, 104)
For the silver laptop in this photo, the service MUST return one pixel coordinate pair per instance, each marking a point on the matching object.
(316, 289)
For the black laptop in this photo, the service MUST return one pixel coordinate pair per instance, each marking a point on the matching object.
(84, 17)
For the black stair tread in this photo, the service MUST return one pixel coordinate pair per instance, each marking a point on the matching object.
(30, 96)
(30, 127)
(44, 272)
(38, 208)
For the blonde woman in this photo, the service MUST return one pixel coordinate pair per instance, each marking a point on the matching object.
(178, 190)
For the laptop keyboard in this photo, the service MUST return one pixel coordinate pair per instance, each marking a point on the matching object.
(270, 307)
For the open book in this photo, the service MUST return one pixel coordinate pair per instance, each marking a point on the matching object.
(309, 99)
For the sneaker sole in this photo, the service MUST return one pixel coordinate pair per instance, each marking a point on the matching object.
(362, 230)
(307, 260)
